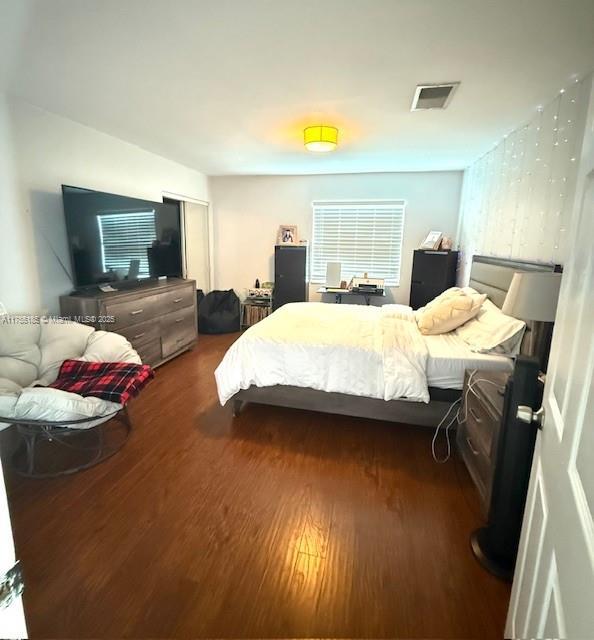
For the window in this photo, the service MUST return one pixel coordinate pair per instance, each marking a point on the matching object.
(365, 237)
(126, 237)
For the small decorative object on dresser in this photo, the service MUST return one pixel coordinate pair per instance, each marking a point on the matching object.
(287, 234)
(497, 448)
(432, 241)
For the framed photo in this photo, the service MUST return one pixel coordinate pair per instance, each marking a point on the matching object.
(432, 241)
(287, 234)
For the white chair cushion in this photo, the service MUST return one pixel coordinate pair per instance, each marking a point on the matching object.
(59, 342)
(45, 403)
(31, 354)
(8, 386)
(20, 353)
(109, 347)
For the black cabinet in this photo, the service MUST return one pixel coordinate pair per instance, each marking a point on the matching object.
(433, 272)
(290, 280)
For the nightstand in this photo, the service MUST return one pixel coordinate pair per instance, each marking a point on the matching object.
(497, 448)
(254, 309)
(478, 433)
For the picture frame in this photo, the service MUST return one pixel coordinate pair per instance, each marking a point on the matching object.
(432, 241)
(446, 243)
(287, 234)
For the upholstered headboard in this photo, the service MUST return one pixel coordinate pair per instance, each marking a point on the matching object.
(494, 275)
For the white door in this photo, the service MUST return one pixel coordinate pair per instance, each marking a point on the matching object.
(197, 244)
(553, 590)
(12, 617)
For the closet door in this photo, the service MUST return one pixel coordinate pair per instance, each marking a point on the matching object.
(197, 244)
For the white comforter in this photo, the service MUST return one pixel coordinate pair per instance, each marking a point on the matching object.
(376, 352)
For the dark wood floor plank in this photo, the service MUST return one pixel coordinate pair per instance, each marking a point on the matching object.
(279, 523)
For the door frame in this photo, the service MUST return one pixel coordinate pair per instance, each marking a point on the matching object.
(210, 221)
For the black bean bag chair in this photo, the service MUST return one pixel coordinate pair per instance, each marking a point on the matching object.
(219, 312)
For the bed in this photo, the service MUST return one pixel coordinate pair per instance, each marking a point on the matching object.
(361, 361)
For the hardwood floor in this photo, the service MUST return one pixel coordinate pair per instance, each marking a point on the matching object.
(280, 523)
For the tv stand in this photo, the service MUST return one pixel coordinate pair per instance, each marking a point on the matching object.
(157, 317)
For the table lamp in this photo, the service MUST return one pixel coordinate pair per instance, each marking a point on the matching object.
(532, 296)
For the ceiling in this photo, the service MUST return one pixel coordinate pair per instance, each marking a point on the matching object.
(227, 86)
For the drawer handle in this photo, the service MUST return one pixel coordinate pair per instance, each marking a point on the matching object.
(139, 335)
(474, 451)
(135, 313)
(179, 320)
(177, 300)
(180, 339)
(474, 415)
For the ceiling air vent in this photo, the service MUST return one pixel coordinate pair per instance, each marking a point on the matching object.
(433, 96)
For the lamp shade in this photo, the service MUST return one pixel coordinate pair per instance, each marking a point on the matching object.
(533, 296)
(320, 138)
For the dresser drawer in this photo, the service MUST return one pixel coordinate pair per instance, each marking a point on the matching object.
(181, 297)
(149, 351)
(478, 432)
(478, 464)
(178, 329)
(481, 426)
(141, 332)
(133, 311)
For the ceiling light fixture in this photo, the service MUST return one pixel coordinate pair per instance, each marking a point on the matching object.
(320, 138)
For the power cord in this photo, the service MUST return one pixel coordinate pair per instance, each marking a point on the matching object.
(447, 432)
(457, 416)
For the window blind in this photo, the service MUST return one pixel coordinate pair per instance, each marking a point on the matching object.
(125, 237)
(364, 236)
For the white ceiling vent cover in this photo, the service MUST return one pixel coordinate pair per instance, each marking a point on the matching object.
(433, 96)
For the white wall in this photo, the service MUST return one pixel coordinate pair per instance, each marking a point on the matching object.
(517, 199)
(18, 272)
(248, 211)
(50, 151)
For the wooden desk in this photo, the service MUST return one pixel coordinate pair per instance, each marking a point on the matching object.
(338, 294)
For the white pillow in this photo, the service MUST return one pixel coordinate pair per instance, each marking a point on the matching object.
(448, 293)
(449, 313)
(492, 330)
(470, 291)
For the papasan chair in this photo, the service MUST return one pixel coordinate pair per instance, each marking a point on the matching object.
(70, 429)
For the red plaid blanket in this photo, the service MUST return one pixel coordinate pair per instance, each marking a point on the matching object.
(113, 381)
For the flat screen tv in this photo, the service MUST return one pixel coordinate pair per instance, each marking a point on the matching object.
(119, 240)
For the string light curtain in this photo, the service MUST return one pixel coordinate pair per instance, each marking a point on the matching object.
(517, 198)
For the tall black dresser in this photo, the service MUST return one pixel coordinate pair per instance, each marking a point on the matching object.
(290, 275)
(433, 272)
